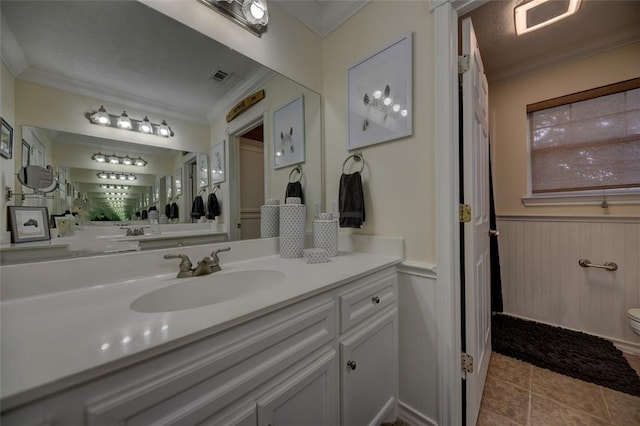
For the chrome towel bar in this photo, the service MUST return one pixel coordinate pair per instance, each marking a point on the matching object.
(609, 266)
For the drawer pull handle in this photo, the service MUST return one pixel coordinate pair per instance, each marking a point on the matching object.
(375, 300)
(351, 365)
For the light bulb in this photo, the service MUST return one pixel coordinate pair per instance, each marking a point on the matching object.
(145, 125)
(131, 177)
(387, 101)
(404, 113)
(102, 175)
(127, 161)
(377, 94)
(101, 116)
(255, 12)
(396, 108)
(99, 158)
(114, 159)
(164, 130)
(123, 121)
(113, 176)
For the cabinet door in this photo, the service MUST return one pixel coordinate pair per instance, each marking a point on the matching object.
(308, 398)
(369, 372)
(241, 415)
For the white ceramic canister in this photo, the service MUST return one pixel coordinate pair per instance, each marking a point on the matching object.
(325, 233)
(292, 221)
(270, 218)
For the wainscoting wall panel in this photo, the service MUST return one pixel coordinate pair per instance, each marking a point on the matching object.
(541, 278)
(418, 343)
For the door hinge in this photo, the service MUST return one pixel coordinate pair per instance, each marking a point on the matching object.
(465, 213)
(466, 363)
(463, 63)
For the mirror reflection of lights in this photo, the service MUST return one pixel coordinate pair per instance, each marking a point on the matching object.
(124, 122)
(116, 176)
(126, 340)
(165, 327)
(105, 346)
(104, 186)
(147, 333)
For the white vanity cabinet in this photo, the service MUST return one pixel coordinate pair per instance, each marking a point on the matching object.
(287, 367)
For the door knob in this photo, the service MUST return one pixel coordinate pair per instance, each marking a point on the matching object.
(351, 365)
(494, 233)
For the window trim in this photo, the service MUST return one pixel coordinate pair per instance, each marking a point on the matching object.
(619, 195)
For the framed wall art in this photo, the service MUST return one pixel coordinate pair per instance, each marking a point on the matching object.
(217, 155)
(288, 134)
(26, 153)
(380, 106)
(28, 224)
(6, 140)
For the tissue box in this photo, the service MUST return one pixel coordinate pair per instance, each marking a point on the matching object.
(315, 255)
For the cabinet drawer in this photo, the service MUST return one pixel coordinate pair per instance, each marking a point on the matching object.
(367, 299)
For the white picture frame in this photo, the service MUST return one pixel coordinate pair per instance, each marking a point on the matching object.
(380, 96)
(177, 182)
(218, 162)
(288, 134)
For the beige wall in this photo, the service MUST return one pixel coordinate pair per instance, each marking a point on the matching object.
(399, 176)
(7, 166)
(50, 108)
(507, 104)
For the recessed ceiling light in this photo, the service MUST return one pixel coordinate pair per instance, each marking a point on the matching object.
(536, 14)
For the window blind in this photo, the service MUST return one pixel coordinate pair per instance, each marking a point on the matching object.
(586, 145)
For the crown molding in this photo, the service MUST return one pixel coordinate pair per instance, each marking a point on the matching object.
(11, 52)
(322, 17)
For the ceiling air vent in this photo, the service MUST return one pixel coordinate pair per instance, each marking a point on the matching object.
(219, 76)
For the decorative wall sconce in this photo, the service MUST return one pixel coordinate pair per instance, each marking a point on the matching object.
(104, 186)
(117, 176)
(249, 14)
(119, 159)
(123, 121)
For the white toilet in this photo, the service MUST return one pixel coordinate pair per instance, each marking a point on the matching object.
(634, 320)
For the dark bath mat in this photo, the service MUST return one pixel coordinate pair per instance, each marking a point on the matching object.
(567, 352)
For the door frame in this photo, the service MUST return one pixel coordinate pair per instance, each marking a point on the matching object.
(445, 106)
(241, 125)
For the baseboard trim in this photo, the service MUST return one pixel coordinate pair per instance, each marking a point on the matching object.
(624, 345)
(419, 269)
(413, 416)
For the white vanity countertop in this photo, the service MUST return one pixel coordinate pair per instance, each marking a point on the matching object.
(53, 341)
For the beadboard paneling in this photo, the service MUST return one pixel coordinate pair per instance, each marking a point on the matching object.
(541, 278)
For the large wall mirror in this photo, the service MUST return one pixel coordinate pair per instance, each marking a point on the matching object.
(70, 58)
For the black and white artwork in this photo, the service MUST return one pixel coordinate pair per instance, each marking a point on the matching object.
(288, 134)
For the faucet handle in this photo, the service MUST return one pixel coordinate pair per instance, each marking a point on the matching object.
(214, 254)
(185, 263)
(129, 231)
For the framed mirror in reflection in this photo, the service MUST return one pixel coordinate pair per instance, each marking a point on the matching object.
(81, 55)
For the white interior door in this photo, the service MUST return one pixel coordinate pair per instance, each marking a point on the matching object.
(476, 232)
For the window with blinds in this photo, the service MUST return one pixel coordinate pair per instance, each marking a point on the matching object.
(586, 141)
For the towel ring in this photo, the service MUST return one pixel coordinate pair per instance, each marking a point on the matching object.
(357, 156)
(296, 169)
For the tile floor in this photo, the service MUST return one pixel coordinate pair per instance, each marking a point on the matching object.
(518, 393)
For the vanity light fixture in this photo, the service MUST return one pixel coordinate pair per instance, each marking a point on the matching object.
(535, 14)
(119, 159)
(124, 122)
(116, 176)
(104, 186)
(252, 15)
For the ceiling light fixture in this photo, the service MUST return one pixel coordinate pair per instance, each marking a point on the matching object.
(119, 159)
(124, 122)
(536, 14)
(252, 15)
(104, 186)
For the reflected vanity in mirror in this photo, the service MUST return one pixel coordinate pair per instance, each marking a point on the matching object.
(38, 178)
(191, 88)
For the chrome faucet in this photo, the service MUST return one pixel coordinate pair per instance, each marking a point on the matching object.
(207, 265)
(135, 231)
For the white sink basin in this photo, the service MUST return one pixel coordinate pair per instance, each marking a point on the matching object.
(206, 290)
